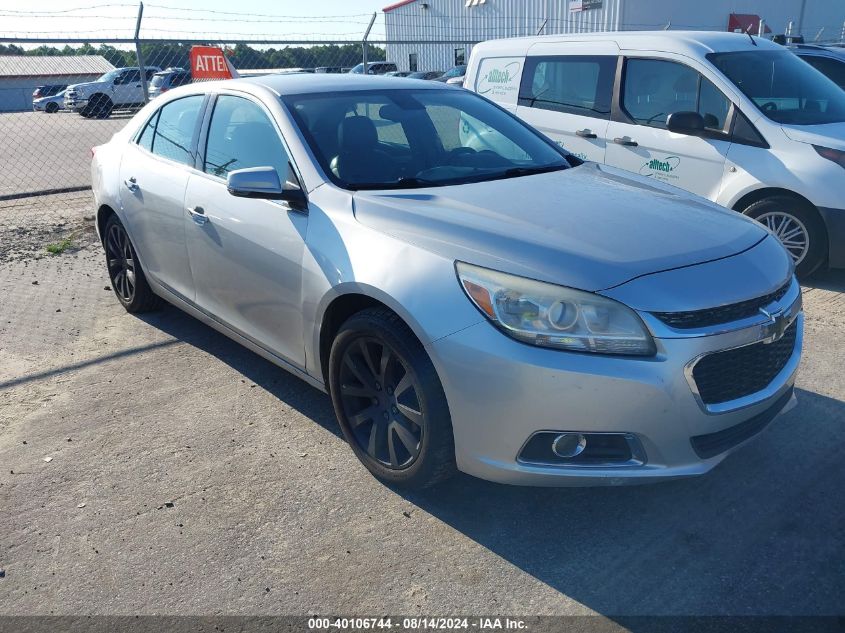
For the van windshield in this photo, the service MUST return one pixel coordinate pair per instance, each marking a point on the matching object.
(782, 86)
(406, 139)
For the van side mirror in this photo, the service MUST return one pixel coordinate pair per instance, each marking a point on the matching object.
(264, 182)
(691, 123)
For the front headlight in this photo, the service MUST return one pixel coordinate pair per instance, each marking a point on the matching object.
(553, 316)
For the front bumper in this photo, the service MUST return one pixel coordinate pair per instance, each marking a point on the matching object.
(76, 104)
(501, 392)
(834, 220)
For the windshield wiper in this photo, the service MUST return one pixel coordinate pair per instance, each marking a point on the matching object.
(402, 183)
(515, 172)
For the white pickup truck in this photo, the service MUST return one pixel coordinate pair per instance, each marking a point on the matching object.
(118, 88)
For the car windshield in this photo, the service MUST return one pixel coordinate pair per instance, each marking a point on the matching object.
(783, 87)
(457, 71)
(406, 139)
(109, 75)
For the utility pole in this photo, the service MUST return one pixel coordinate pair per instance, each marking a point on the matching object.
(141, 66)
(364, 42)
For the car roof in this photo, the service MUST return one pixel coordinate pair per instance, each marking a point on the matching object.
(694, 43)
(345, 82)
(805, 49)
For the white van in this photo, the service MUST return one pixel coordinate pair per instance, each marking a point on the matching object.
(739, 120)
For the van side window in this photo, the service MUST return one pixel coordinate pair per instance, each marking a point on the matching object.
(571, 84)
(656, 88)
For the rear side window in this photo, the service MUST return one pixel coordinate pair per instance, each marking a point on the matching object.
(170, 132)
(656, 88)
(571, 84)
(241, 135)
(830, 68)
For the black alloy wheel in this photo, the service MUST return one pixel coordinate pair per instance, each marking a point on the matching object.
(127, 278)
(381, 403)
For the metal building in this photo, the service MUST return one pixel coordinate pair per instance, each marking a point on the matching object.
(21, 74)
(450, 27)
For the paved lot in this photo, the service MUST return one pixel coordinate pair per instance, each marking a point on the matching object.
(50, 151)
(188, 476)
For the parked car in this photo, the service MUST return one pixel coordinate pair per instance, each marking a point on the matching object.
(49, 90)
(828, 60)
(51, 104)
(118, 88)
(513, 313)
(455, 81)
(374, 68)
(730, 117)
(457, 73)
(167, 79)
(425, 74)
(398, 73)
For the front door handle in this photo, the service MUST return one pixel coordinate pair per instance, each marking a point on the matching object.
(131, 184)
(198, 215)
(627, 142)
(585, 134)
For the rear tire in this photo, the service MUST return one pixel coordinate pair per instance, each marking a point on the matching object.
(389, 401)
(125, 273)
(799, 227)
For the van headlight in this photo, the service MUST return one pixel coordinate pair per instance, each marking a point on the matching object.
(553, 316)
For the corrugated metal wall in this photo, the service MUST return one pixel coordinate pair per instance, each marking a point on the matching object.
(452, 20)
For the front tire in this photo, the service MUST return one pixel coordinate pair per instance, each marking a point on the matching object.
(389, 401)
(799, 228)
(51, 108)
(127, 278)
(101, 107)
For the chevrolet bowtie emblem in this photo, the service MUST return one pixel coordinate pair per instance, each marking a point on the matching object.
(777, 325)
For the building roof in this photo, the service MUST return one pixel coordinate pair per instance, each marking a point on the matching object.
(396, 5)
(52, 65)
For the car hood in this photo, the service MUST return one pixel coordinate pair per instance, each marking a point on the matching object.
(84, 85)
(827, 135)
(590, 227)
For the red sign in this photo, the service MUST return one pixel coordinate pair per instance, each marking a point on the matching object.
(208, 62)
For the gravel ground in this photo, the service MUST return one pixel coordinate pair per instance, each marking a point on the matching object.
(150, 465)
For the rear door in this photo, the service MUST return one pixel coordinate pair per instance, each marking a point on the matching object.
(246, 253)
(652, 88)
(154, 173)
(568, 97)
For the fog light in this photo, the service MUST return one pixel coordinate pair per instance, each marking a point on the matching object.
(568, 445)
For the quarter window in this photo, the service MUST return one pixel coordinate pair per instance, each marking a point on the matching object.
(573, 85)
(656, 88)
(241, 135)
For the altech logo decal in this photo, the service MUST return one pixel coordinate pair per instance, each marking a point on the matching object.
(660, 168)
(499, 80)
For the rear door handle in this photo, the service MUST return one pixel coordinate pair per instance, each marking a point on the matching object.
(627, 142)
(198, 215)
(131, 184)
(585, 134)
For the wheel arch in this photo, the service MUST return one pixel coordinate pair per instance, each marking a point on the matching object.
(342, 304)
(104, 212)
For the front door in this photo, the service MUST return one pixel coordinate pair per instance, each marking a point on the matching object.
(652, 90)
(246, 254)
(153, 176)
(567, 97)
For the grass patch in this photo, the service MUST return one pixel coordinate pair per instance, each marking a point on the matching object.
(57, 248)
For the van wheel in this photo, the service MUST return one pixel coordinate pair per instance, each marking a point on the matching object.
(389, 401)
(799, 228)
(127, 278)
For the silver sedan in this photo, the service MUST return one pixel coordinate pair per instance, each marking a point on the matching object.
(470, 296)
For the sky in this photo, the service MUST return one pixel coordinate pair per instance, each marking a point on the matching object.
(243, 19)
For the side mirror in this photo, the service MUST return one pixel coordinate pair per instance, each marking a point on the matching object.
(264, 182)
(685, 123)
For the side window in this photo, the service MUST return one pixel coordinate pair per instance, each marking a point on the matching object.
(655, 88)
(241, 135)
(175, 129)
(573, 84)
(131, 77)
(830, 68)
(146, 138)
